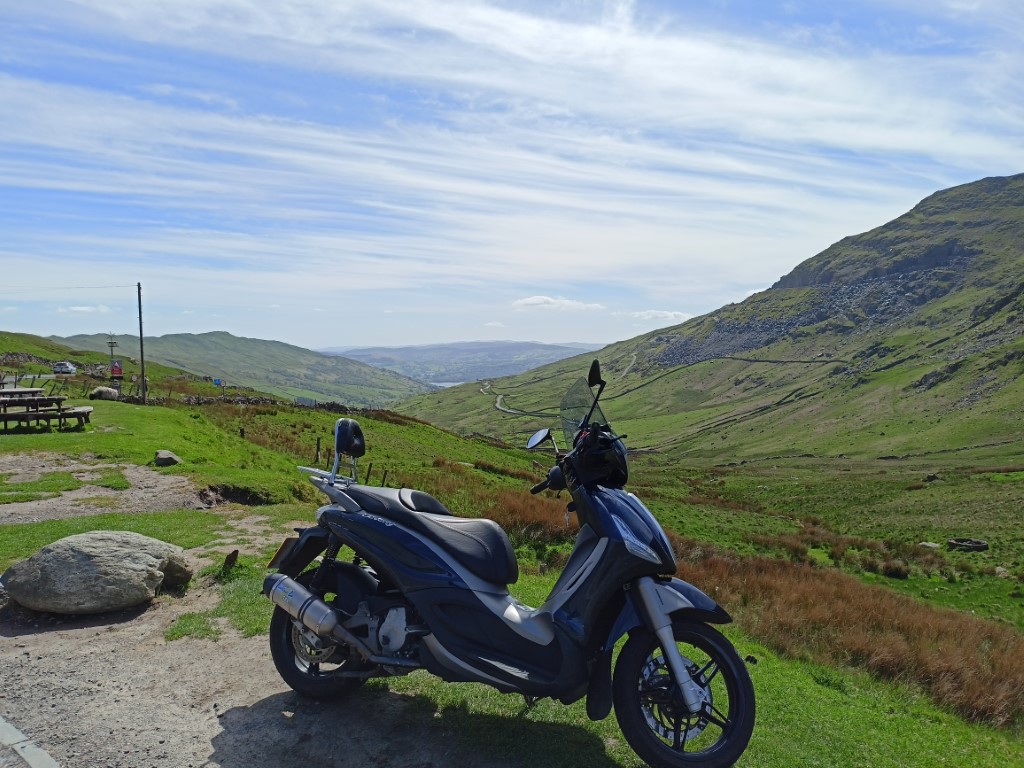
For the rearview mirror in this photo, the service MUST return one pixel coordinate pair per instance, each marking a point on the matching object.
(538, 437)
(594, 378)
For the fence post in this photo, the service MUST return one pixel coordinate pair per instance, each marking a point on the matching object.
(316, 459)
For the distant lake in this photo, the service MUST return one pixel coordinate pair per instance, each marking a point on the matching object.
(447, 383)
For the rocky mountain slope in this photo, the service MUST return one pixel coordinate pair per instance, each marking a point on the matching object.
(903, 340)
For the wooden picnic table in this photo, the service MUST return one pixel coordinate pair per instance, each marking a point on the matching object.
(20, 391)
(31, 402)
(32, 408)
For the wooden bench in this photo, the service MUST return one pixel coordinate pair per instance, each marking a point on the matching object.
(79, 413)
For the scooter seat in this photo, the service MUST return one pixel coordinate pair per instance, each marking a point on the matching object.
(395, 503)
(477, 543)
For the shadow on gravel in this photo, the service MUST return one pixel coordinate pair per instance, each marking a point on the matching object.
(18, 621)
(384, 729)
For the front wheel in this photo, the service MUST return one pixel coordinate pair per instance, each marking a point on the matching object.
(313, 666)
(651, 712)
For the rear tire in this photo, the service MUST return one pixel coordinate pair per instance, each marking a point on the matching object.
(652, 715)
(307, 669)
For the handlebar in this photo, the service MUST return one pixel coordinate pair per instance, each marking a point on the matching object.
(555, 481)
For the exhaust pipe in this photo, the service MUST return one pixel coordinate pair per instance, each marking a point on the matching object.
(299, 603)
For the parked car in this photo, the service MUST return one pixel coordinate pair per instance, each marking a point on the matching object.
(64, 367)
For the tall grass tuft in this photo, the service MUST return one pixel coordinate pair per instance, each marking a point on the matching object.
(528, 519)
(971, 666)
(515, 474)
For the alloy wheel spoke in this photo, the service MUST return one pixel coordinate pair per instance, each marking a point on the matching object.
(713, 715)
(705, 675)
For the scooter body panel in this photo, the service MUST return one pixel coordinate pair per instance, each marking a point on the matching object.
(478, 632)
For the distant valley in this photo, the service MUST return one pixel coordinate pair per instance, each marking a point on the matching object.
(365, 377)
(458, 362)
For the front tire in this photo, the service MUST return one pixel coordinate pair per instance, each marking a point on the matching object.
(310, 670)
(651, 712)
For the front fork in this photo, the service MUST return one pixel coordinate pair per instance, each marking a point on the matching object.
(655, 614)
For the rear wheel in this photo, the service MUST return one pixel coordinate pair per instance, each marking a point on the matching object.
(312, 665)
(650, 708)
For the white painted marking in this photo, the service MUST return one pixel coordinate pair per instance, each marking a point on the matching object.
(33, 755)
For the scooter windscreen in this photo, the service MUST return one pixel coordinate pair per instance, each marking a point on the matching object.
(576, 404)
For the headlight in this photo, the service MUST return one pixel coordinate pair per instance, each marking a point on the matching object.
(633, 544)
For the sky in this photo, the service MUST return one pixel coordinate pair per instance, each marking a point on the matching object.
(334, 173)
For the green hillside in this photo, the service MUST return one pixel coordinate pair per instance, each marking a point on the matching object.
(22, 354)
(902, 341)
(270, 366)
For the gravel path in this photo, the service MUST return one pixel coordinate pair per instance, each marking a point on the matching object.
(150, 491)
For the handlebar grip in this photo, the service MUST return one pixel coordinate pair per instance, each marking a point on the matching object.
(541, 486)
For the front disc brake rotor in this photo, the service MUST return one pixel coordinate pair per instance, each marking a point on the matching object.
(662, 705)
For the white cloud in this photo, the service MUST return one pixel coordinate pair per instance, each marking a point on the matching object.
(204, 97)
(494, 324)
(559, 304)
(404, 153)
(86, 310)
(659, 315)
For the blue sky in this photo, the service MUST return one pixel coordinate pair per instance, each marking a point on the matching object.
(332, 173)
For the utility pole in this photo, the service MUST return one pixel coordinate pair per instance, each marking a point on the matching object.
(142, 354)
(111, 342)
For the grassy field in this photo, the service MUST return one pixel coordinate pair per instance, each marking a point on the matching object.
(818, 560)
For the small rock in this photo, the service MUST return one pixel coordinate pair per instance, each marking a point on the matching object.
(166, 459)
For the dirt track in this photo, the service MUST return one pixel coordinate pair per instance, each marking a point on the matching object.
(111, 692)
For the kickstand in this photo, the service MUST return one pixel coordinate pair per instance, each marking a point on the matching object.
(530, 701)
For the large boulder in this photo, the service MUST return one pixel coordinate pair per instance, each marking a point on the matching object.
(97, 572)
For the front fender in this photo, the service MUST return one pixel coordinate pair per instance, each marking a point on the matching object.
(676, 598)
